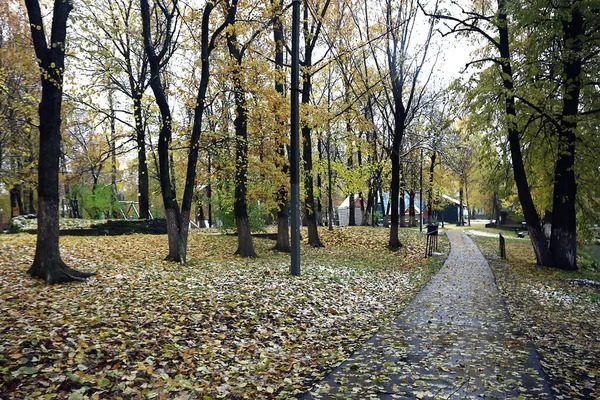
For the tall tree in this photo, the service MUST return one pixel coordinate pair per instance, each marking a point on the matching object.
(563, 48)
(178, 219)
(111, 37)
(240, 204)
(314, 14)
(477, 22)
(283, 234)
(406, 67)
(48, 264)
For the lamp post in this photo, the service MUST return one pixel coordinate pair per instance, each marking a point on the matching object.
(295, 142)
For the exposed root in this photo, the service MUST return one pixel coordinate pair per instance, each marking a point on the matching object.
(57, 272)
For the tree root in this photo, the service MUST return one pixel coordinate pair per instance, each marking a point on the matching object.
(57, 272)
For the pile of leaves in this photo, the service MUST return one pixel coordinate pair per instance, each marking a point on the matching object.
(219, 327)
(561, 319)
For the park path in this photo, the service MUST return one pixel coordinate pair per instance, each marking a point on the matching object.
(454, 340)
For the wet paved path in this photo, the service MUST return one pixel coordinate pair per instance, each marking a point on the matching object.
(454, 340)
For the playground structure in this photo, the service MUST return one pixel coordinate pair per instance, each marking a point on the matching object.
(132, 211)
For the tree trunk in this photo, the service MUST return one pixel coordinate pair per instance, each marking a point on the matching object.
(394, 242)
(240, 204)
(329, 181)
(351, 209)
(16, 203)
(176, 232)
(319, 196)
(411, 209)
(31, 202)
(209, 192)
(538, 241)
(460, 206)
(140, 138)
(563, 240)
(283, 224)
(430, 191)
(309, 201)
(467, 201)
(113, 157)
(47, 264)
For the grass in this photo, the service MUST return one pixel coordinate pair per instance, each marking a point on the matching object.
(219, 327)
(562, 320)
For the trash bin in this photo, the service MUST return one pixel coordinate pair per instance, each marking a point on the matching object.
(432, 229)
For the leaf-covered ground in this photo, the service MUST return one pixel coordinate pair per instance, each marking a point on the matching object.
(453, 341)
(220, 326)
(562, 320)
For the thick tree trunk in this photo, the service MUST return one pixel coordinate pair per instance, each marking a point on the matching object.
(351, 211)
(47, 264)
(563, 240)
(538, 241)
(177, 238)
(240, 204)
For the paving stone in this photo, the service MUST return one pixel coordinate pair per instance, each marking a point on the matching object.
(454, 340)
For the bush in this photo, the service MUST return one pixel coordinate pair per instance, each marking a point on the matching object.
(224, 212)
(97, 204)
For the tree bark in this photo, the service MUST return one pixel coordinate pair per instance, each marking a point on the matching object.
(283, 224)
(394, 242)
(31, 202)
(240, 204)
(310, 36)
(329, 180)
(460, 206)
(113, 156)
(411, 209)
(176, 231)
(430, 191)
(538, 241)
(563, 240)
(16, 202)
(48, 264)
(140, 139)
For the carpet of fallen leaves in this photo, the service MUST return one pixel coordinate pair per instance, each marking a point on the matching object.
(562, 320)
(219, 327)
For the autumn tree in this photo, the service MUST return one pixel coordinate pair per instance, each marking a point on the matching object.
(409, 73)
(283, 235)
(18, 94)
(312, 24)
(178, 219)
(543, 69)
(48, 264)
(110, 37)
(489, 26)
